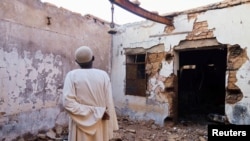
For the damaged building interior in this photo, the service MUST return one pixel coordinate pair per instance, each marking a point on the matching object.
(201, 87)
(179, 67)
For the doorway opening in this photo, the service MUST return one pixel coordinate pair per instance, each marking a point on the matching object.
(201, 83)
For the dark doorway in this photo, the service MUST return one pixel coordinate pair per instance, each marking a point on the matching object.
(201, 83)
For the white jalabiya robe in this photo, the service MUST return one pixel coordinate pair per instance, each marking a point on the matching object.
(86, 94)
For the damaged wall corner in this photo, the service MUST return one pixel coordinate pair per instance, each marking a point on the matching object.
(199, 45)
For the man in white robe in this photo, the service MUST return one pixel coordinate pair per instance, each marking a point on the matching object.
(88, 100)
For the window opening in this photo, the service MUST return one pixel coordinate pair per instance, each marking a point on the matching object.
(136, 77)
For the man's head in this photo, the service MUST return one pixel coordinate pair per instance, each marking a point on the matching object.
(84, 57)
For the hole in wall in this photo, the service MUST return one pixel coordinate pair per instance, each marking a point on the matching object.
(48, 20)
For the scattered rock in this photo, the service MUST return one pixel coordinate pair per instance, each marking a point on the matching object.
(133, 130)
(59, 130)
(51, 134)
(149, 131)
(41, 136)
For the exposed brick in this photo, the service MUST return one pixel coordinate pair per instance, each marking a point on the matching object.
(200, 31)
(169, 29)
(236, 58)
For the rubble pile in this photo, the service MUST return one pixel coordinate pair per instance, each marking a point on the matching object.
(131, 130)
(135, 130)
(58, 133)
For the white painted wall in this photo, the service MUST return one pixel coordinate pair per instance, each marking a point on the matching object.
(230, 26)
(138, 35)
(34, 59)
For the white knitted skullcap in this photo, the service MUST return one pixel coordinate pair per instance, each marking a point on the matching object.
(83, 54)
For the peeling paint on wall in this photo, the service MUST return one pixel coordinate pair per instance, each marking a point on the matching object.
(209, 32)
(238, 113)
(236, 58)
(34, 58)
(39, 76)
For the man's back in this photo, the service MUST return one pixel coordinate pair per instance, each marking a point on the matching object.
(91, 86)
(87, 98)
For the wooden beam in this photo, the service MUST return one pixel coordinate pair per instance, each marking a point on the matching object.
(133, 8)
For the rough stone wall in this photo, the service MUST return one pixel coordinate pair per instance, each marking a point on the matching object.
(37, 43)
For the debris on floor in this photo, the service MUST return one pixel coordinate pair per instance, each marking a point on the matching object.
(135, 130)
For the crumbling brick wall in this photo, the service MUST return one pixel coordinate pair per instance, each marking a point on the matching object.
(161, 88)
(236, 58)
(200, 31)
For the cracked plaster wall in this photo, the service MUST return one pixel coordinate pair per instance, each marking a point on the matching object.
(234, 30)
(137, 35)
(34, 58)
(230, 26)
